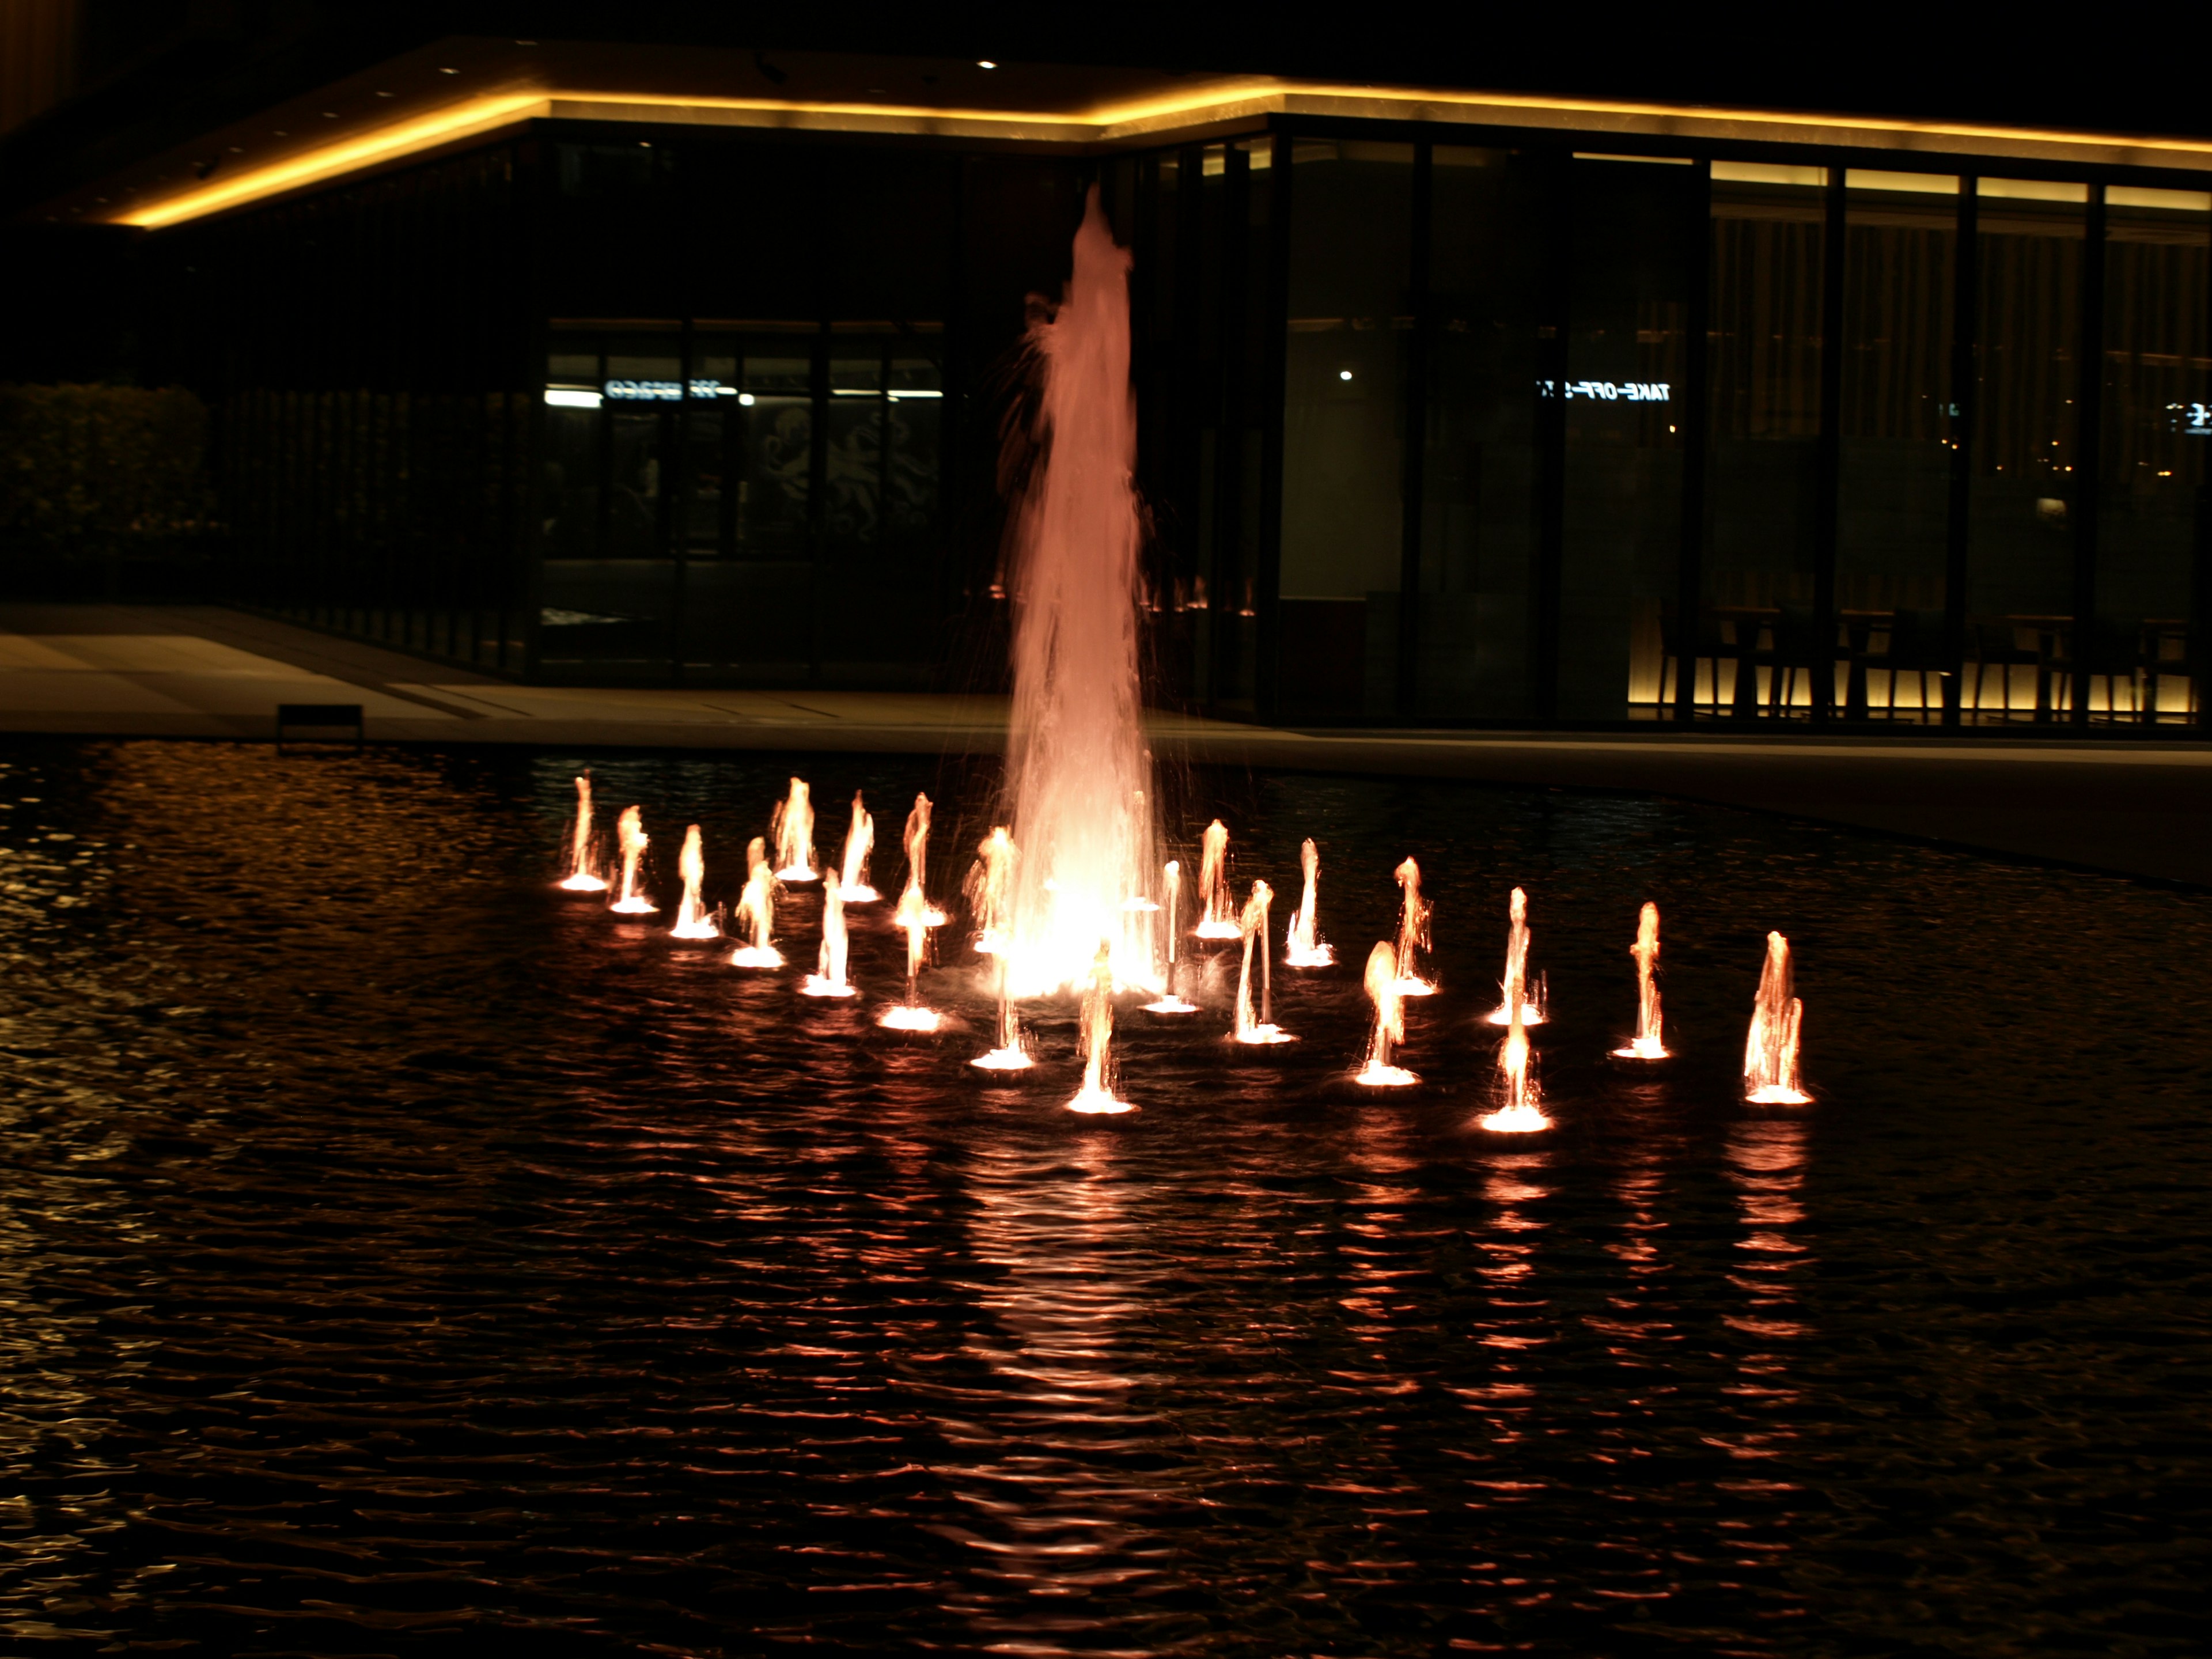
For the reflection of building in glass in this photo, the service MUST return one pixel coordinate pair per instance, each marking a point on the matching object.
(1450, 410)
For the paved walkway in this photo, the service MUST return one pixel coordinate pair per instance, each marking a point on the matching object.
(192, 671)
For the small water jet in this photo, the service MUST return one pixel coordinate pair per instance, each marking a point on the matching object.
(1648, 1043)
(582, 876)
(1412, 933)
(860, 841)
(828, 979)
(794, 829)
(914, 914)
(1770, 1052)
(1384, 989)
(990, 890)
(916, 842)
(1518, 1113)
(1514, 1000)
(1169, 1002)
(756, 917)
(1096, 1096)
(630, 832)
(1216, 905)
(692, 920)
(1254, 924)
(1302, 947)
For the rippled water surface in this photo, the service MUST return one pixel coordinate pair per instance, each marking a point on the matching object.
(400, 1256)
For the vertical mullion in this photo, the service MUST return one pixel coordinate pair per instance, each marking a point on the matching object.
(2198, 666)
(817, 489)
(675, 499)
(1690, 562)
(1235, 374)
(2088, 408)
(1829, 463)
(1274, 361)
(1966, 327)
(1416, 432)
(1554, 320)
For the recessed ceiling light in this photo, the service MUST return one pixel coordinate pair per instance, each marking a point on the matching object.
(525, 43)
(236, 149)
(330, 115)
(384, 95)
(985, 63)
(449, 71)
(280, 133)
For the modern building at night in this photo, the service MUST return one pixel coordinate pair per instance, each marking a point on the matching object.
(609, 364)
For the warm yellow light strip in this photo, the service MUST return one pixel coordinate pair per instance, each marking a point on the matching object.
(347, 156)
(1218, 100)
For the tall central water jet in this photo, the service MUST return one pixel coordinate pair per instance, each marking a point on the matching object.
(1079, 772)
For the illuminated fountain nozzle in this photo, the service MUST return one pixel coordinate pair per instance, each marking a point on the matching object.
(1302, 947)
(582, 876)
(828, 979)
(756, 918)
(1770, 1052)
(914, 915)
(692, 920)
(1383, 982)
(1096, 1096)
(794, 829)
(1254, 924)
(631, 831)
(1216, 905)
(1514, 1000)
(1412, 933)
(1647, 1044)
(1518, 1113)
(860, 841)
(1169, 1002)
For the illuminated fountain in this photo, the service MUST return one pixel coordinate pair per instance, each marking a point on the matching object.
(990, 890)
(1648, 1043)
(1515, 1002)
(756, 918)
(1517, 1114)
(1384, 989)
(1254, 923)
(692, 920)
(630, 832)
(1303, 948)
(860, 841)
(1412, 933)
(582, 878)
(794, 826)
(1216, 905)
(1096, 1095)
(1169, 1002)
(828, 979)
(1770, 1052)
(913, 916)
(916, 842)
(1078, 771)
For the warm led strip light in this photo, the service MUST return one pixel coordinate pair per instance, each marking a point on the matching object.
(1221, 101)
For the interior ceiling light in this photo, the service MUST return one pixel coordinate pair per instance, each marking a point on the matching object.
(985, 63)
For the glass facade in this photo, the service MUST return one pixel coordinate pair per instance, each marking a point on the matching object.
(1436, 426)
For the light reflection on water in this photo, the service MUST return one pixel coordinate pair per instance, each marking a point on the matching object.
(398, 1253)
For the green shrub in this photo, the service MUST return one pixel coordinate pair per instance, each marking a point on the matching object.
(92, 474)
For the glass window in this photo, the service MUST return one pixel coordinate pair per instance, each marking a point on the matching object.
(1351, 321)
(1633, 259)
(2156, 422)
(1895, 450)
(2027, 360)
(775, 469)
(1478, 453)
(853, 512)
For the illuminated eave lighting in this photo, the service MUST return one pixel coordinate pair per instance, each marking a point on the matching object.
(1245, 99)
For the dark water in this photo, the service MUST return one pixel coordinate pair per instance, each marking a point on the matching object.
(400, 1257)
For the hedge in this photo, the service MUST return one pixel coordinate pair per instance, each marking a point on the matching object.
(90, 474)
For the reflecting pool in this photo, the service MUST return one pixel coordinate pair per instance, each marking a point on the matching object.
(403, 1255)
